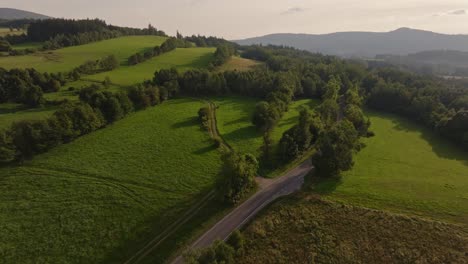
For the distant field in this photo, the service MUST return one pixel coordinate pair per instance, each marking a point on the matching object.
(234, 118)
(100, 197)
(66, 59)
(7, 31)
(181, 59)
(406, 168)
(28, 45)
(10, 113)
(239, 64)
(307, 230)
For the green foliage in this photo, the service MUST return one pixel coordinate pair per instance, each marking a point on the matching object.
(4, 46)
(335, 149)
(237, 177)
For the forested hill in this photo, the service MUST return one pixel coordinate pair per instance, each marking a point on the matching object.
(11, 14)
(402, 41)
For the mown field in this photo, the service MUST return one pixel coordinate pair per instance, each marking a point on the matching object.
(303, 229)
(234, 118)
(238, 64)
(405, 168)
(7, 31)
(10, 113)
(66, 59)
(28, 45)
(102, 196)
(181, 59)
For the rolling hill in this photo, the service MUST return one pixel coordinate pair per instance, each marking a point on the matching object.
(11, 14)
(402, 41)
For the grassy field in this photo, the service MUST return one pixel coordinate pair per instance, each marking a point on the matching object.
(7, 31)
(181, 59)
(66, 59)
(309, 230)
(406, 168)
(100, 197)
(238, 64)
(10, 113)
(28, 45)
(234, 118)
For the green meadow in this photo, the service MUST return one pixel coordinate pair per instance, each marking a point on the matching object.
(10, 113)
(234, 118)
(66, 59)
(405, 168)
(181, 59)
(102, 196)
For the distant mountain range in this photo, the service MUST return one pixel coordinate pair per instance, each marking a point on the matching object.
(402, 41)
(11, 14)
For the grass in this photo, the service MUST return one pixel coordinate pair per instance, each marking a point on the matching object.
(10, 113)
(405, 168)
(7, 31)
(66, 59)
(99, 198)
(234, 122)
(238, 64)
(181, 59)
(309, 230)
(28, 45)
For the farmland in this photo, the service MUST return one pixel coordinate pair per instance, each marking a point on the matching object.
(234, 118)
(10, 113)
(100, 196)
(305, 229)
(66, 59)
(181, 59)
(405, 168)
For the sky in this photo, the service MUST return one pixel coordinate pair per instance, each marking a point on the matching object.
(237, 19)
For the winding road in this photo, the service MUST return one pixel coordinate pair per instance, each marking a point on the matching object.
(269, 191)
(287, 184)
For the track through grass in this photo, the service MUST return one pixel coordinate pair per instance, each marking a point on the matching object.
(98, 198)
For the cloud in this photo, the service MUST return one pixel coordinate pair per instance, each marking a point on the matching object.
(458, 12)
(294, 10)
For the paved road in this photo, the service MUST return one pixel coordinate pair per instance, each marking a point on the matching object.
(287, 184)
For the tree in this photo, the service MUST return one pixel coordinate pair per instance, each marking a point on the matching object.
(4, 46)
(237, 176)
(265, 116)
(7, 148)
(335, 149)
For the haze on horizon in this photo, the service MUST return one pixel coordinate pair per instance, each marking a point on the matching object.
(248, 18)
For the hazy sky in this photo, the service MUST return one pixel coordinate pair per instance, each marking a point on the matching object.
(235, 19)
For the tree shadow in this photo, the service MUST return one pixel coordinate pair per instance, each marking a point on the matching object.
(210, 148)
(442, 147)
(244, 133)
(237, 121)
(191, 121)
(322, 185)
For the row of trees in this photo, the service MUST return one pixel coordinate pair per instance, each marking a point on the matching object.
(439, 105)
(107, 63)
(44, 30)
(27, 86)
(169, 45)
(222, 54)
(95, 110)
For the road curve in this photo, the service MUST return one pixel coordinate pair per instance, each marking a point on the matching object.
(287, 184)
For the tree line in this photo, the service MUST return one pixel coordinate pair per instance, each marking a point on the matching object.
(95, 110)
(57, 33)
(435, 103)
(169, 45)
(27, 86)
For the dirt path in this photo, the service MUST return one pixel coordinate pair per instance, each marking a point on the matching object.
(287, 184)
(269, 191)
